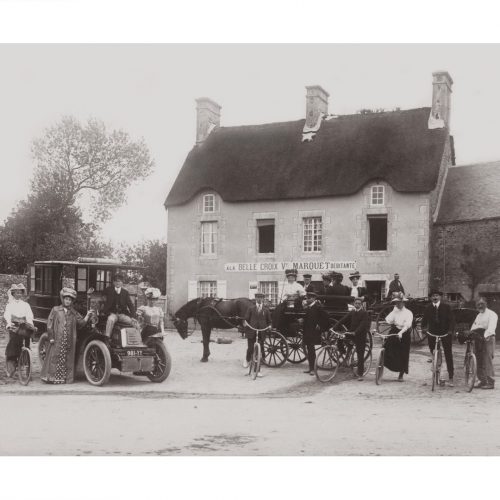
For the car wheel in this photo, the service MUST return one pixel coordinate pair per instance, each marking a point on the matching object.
(162, 362)
(97, 362)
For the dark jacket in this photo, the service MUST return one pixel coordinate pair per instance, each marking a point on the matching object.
(310, 288)
(357, 322)
(440, 323)
(257, 320)
(118, 304)
(362, 291)
(315, 322)
(395, 286)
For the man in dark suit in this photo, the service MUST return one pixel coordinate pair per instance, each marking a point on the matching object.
(315, 322)
(118, 306)
(358, 322)
(308, 286)
(395, 286)
(257, 317)
(339, 290)
(438, 319)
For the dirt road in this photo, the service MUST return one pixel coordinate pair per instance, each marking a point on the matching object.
(213, 409)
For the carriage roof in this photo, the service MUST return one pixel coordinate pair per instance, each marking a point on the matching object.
(100, 263)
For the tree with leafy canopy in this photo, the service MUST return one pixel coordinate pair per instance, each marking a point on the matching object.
(478, 265)
(86, 162)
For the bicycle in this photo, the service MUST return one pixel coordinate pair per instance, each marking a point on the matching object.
(337, 352)
(256, 359)
(24, 364)
(379, 369)
(470, 362)
(437, 360)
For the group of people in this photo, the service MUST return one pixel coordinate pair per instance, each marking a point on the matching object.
(64, 321)
(437, 319)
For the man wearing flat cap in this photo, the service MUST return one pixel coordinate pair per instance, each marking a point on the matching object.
(308, 286)
(315, 322)
(438, 320)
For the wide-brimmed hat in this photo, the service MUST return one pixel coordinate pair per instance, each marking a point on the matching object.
(355, 274)
(326, 277)
(435, 291)
(336, 276)
(312, 295)
(154, 293)
(291, 272)
(15, 287)
(68, 292)
(399, 297)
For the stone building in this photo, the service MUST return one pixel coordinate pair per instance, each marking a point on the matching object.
(320, 193)
(469, 215)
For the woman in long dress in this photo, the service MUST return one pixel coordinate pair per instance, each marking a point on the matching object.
(151, 315)
(397, 348)
(59, 363)
(19, 319)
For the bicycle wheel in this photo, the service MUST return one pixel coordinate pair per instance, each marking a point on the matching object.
(256, 359)
(326, 364)
(470, 371)
(274, 349)
(417, 334)
(24, 366)
(353, 362)
(381, 325)
(379, 369)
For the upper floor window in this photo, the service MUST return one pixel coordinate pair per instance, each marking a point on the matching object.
(209, 203)
(312, 234)
(377, 232)
(265, 235)
(377, 197)
(208, 238)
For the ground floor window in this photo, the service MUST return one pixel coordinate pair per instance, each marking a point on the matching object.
(270, 290)
(207, 289)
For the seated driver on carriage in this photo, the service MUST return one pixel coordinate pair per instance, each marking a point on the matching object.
(119, 306)
(291, 295)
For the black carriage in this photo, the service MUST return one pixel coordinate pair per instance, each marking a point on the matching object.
(96, 354)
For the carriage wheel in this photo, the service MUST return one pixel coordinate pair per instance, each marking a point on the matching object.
(418, 335)
(24, 365)
(274, 349)
(296, 352)
(470, 371)
(97, 362)
(379, 369)
(326, 364)
(254, 368)
(43, 346)
(368, 345)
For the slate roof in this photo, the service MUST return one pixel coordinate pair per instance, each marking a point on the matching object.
(471, 192)
(270, 162)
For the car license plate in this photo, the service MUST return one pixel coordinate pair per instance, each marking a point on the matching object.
(134, 352)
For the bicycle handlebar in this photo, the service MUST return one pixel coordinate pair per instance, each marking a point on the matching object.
(258, 329)
(438, 336)
(385, 335)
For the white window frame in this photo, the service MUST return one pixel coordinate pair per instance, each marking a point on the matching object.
(208, 238)
(207, 288)
(270, 291)
(209, 207)
(314, 226)
(377, 195)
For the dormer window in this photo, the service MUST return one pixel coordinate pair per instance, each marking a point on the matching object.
(209, 203)
(377, 197)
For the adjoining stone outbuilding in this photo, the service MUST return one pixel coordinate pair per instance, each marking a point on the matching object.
(467, 229)
(321, 193)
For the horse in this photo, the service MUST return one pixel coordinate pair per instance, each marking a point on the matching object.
(211, 313)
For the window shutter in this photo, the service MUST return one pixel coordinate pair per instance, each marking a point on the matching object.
(252, 288)
(192, 289)
(222, 289)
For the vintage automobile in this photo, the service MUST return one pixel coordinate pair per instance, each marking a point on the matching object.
(96, 353)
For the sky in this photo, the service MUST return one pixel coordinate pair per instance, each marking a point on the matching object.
(150, 91)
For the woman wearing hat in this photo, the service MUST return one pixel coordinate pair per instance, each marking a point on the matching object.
(291, 291)
(151, 316)
(397, 349)
(19, 317)
(59, 364)
(356, 290)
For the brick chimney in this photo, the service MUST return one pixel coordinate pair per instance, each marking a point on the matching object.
(207, 118)
(316, 103)
(441, 100)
